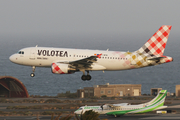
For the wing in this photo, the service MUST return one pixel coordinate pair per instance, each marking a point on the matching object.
(82, 63)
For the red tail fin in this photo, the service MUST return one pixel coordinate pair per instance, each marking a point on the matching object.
(157, 43)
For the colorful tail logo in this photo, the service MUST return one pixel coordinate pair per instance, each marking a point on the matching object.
(157, 43)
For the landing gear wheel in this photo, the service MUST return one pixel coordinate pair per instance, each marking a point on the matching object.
(83, 77)
(88, 77)
(33, 70)
(32, 74)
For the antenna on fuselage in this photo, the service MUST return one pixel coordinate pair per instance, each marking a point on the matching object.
(36, 45)
(108, 49)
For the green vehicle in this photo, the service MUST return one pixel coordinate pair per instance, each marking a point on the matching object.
(124, 108)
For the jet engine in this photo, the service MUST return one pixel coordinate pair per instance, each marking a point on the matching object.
(60, 68)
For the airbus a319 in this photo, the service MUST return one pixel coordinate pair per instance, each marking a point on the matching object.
(68, 61)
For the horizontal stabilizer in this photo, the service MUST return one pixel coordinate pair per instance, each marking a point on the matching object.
(156, 58)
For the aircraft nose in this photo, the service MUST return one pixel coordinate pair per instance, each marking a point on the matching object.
(12, 58)
(76, 112)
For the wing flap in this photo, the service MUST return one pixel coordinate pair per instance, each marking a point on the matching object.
(84, 63)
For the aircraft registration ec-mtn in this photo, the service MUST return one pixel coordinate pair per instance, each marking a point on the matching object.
(68, 61)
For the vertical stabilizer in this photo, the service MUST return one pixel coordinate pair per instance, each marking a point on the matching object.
(154, 104)
(156, 44)
(160, 98)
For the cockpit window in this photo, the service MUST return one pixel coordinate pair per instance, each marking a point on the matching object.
(80, 108)
(21, 52)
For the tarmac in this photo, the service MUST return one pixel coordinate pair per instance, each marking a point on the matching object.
(125, 117)
(174, 106)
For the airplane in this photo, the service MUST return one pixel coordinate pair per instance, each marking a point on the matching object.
(124, 108)
(68, 61)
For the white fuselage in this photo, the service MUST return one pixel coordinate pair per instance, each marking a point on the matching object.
(106, 109)
(68, 61)
(44, 57)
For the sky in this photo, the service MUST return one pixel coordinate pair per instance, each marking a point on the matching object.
(122, 25)
(87, 17)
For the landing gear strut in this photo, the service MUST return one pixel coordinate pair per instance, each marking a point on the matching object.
(33, 69)
(86, 77)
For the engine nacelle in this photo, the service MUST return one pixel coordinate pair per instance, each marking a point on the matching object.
(60, 68)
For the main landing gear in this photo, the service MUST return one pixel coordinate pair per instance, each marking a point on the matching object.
(33, 69)
(86, 77)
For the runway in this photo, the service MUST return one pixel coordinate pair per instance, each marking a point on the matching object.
(125, 117)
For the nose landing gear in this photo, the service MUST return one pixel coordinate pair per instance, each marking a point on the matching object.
(33, 69)
(86, 77)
